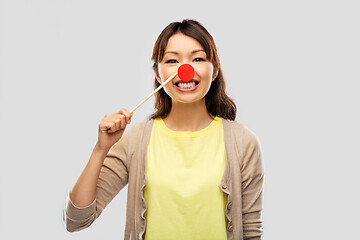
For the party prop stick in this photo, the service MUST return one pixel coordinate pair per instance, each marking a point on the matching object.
(155, 91)
(185, 72)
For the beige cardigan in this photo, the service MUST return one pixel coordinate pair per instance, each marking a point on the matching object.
(125, 164)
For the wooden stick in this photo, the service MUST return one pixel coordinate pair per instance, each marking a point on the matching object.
(156, 90)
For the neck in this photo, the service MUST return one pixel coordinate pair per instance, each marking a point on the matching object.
(188, 116)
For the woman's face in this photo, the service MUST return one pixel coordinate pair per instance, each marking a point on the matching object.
(183, 49)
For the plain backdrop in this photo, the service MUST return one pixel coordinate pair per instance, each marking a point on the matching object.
(292, 67)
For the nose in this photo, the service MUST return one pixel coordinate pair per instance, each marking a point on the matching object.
(186, 72)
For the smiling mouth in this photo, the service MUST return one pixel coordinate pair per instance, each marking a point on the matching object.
(185, 85)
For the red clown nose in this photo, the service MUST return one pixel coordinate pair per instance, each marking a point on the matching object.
(186, 72)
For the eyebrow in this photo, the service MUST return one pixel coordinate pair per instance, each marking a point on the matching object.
(174, 52)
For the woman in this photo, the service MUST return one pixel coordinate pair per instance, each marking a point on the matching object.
(192, 171)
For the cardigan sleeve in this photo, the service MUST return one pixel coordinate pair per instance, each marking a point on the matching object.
(252, 186)
(113, 177)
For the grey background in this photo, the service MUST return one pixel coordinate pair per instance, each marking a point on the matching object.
(291, 66)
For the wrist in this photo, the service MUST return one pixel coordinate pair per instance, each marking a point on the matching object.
(101, 150)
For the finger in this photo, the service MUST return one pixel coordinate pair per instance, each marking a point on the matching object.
(109, 123)
(105, 125)
(120, 117)
(116, 123)
(113, 127)
(119, 120)
(127, 115)
(122, 122)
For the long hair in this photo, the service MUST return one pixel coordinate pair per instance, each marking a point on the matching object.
(217, 102)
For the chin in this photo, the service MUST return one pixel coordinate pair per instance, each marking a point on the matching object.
(189, 100)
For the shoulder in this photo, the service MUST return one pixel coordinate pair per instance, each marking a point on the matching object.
(132, 136)
(137, 131)
(241, 134)
(141, 127)
(239, 129)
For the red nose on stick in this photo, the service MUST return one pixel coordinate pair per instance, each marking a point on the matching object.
(186, 72)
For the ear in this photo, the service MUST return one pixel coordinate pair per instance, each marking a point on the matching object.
(215, 74)
(157, 76)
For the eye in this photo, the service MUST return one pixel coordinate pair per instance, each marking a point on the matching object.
(199, 59)
(171, 61)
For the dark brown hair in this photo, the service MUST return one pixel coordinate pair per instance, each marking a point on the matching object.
(217, 101)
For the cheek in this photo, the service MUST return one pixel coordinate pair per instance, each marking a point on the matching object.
(166, 71)
(205, 71)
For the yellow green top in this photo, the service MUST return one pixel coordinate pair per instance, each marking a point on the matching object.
(183, 171)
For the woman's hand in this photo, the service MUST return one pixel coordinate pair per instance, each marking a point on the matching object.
(112, 127)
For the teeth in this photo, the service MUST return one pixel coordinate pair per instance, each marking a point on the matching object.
(187, 85)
